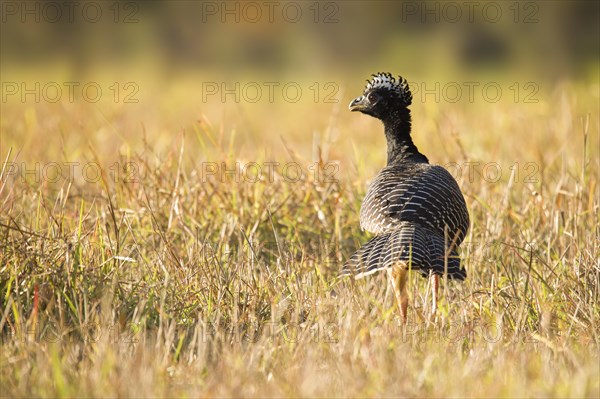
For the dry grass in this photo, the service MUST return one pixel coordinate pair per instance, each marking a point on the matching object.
(175, 283)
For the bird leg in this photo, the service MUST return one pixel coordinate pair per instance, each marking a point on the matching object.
(399, 276)
(434, 280)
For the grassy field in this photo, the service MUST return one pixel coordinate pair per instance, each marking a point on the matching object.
(151, 267)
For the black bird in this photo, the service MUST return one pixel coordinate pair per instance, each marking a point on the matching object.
(416, 210)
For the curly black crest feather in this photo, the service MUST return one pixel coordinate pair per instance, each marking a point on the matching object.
(386, 81)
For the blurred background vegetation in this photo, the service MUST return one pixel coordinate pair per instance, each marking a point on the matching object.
(550, 39)
(171, 50)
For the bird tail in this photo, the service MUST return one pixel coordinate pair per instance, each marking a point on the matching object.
(418, 248)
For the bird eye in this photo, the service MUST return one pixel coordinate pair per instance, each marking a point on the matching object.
(372, 97)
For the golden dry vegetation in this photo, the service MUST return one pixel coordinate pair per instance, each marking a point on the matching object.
(166, 276)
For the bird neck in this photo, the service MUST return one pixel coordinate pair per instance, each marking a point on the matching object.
(399, 142)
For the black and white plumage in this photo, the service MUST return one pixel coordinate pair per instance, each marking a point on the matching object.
(416, 210)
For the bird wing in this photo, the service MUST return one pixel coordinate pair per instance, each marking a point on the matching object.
(420, 193)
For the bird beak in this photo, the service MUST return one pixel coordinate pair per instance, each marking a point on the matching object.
(358, 104)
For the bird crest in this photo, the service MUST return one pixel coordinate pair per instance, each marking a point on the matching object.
(386, 81)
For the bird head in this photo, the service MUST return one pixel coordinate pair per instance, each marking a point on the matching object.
(383, 96)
